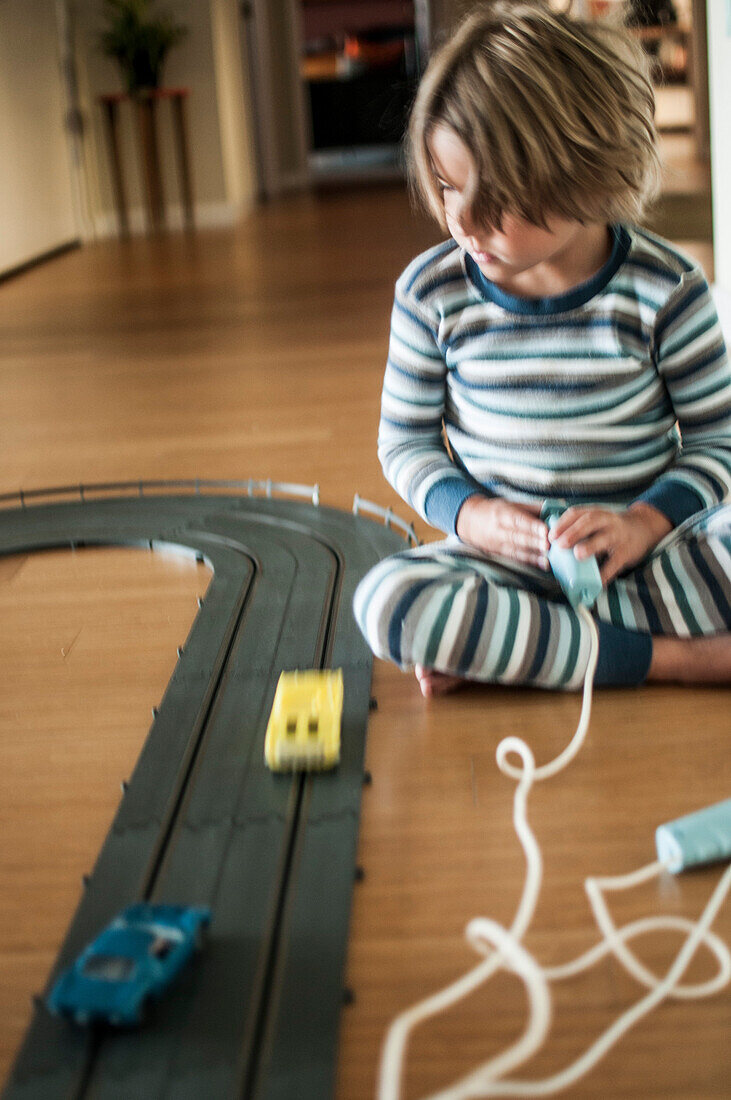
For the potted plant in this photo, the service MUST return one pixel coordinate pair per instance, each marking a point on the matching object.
(139, 41)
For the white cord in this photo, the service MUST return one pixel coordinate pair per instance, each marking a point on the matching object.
(574, 745)
(502, 949)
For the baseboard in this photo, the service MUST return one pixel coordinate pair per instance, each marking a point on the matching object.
(214, 215)
(42, 258)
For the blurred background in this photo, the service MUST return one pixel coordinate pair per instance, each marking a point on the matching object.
(278, 96)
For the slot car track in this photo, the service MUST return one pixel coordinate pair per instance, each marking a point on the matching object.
(202, 821)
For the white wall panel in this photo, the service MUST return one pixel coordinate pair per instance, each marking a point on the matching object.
(36, 200)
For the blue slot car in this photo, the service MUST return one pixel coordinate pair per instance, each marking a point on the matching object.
(134, 958)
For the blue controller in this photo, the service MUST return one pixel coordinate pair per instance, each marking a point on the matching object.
(580, 580)
(697, 838)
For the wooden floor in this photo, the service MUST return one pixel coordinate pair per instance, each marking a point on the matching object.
(259, 352)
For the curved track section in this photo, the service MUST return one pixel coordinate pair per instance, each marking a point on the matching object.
(203, 821)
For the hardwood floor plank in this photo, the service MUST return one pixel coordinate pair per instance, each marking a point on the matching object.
(259, 353)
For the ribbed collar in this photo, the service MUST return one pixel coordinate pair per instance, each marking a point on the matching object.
(561, 303)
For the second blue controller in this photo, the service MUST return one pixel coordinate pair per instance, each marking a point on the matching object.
(580, 580)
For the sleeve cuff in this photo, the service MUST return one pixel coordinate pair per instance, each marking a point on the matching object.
(674, 500)
(444, 500)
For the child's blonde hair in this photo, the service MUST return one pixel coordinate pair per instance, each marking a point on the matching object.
(556, 113)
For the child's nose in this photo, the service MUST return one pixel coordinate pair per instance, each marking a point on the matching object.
(466, 220)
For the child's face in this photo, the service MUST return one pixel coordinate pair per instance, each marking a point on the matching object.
(509, 255)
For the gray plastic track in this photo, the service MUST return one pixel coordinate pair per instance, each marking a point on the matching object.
(204, 822)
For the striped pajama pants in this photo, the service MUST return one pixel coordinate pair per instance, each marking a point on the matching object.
(448, 607)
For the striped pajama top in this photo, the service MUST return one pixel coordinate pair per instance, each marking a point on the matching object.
(617, 391)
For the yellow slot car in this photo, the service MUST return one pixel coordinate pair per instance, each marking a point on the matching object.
(303, 733)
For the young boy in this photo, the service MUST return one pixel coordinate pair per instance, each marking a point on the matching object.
(551, 350)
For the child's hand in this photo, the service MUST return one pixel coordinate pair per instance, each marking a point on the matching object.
(621, 539)
(497, 526)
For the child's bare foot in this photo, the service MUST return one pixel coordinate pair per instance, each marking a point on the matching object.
(432, 682)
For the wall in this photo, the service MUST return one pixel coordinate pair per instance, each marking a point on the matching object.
(236, 125)
(283, 139)
(36, 196)
(208, 62)
(719, 55)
